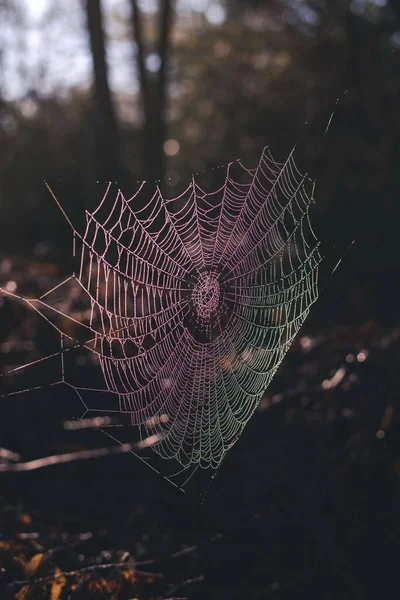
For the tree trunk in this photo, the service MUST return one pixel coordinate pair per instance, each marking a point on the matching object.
(106, 139)
(153, 92)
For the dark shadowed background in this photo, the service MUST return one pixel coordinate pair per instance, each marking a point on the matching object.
(308, 502)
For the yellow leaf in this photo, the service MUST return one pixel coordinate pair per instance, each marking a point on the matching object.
(104, 584)
(57, 585)
(129, 575)
(23, 593)
(25, 519)
(32, 566)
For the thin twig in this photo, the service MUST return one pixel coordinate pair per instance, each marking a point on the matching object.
(190, 581)
(92, 568)
(68, 457)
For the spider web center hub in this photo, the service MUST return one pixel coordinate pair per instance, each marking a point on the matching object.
(206, 295)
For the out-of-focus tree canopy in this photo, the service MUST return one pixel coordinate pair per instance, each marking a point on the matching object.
(161, 90)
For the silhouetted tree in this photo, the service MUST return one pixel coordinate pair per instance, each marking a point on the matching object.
(106, 138)
(153, 87)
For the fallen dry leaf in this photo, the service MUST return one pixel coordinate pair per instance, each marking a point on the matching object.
(32, 566)
(56, 587)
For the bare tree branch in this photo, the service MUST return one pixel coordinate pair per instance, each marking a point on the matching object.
(47, 461)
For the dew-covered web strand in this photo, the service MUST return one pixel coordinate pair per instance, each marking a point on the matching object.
(193, 302)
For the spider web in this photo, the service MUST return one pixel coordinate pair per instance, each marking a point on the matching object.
(193, 303)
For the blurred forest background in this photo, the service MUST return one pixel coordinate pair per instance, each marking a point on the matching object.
(126, 90)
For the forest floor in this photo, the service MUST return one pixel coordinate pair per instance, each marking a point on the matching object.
(306, 504)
